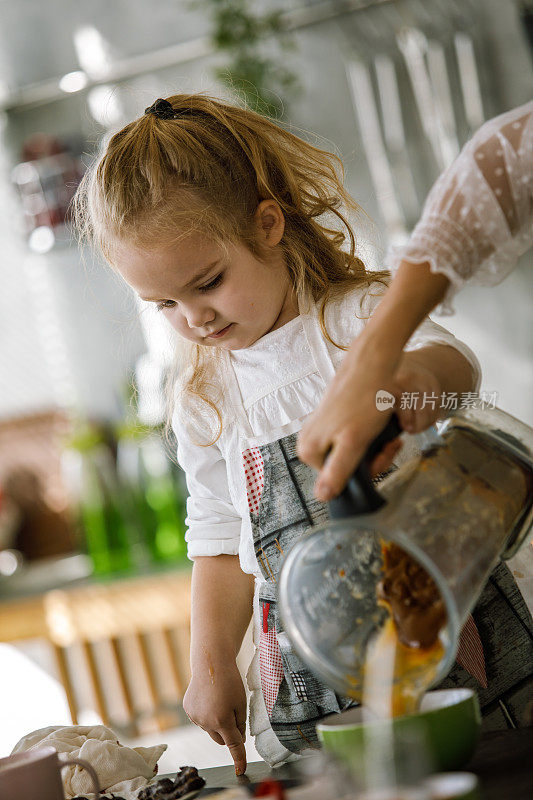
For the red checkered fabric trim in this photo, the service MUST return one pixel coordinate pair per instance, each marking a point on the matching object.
(470, 652)
(254, 470)
(270, 663)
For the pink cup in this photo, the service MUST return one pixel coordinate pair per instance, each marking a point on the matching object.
(36, 775)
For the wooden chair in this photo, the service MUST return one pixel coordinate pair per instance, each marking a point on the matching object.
(150, 617)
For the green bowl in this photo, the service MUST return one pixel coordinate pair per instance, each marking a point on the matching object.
(447, 725)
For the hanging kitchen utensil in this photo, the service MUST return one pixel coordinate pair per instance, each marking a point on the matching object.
(364, 104)
(413, 46)
(469, 76)
(438, 75)
(394, 136)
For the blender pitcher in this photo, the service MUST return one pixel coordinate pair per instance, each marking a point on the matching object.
(456, 508)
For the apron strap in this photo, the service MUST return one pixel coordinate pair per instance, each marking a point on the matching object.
(235, 397)
(315, 338)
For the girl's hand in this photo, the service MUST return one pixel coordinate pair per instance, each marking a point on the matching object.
(215, 700)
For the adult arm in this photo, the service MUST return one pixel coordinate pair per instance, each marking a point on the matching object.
(347, 419)
(476, 222)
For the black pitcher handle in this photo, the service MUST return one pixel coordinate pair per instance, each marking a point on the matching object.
(359, 495)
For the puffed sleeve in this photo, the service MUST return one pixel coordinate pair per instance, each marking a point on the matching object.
(478, 217)
(213, 524)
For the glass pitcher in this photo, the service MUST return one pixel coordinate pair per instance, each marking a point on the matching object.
(457, 508)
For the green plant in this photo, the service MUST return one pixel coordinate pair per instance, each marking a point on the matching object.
(248, 39)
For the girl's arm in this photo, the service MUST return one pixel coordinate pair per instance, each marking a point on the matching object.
(347, 419)
(222, 597)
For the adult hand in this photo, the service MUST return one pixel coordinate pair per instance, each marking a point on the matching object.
(215, 700)
(416, 377)
(336, 436)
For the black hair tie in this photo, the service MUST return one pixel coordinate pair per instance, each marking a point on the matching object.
(162, 110)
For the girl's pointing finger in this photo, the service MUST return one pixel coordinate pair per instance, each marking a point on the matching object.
(234, 741)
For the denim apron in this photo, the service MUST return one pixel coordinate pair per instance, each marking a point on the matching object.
(282, 507)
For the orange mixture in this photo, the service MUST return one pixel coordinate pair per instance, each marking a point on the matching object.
(413, 671)
(402, 661)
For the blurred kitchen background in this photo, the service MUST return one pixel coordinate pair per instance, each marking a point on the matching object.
(94, 579)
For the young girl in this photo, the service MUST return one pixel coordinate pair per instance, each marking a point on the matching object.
(226, 222)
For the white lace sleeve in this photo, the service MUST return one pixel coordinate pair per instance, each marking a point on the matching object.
(478, 217)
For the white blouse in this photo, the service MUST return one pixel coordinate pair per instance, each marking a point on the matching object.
(279, 385)
(478, 217)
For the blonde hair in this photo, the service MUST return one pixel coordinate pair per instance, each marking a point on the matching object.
(206, 170)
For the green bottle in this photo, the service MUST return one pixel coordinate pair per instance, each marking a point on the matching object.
(93, 518)
(165, 502)
(115, 512)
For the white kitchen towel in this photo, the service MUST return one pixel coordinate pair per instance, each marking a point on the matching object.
(121, 770)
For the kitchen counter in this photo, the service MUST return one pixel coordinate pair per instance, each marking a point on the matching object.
(503, 763)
